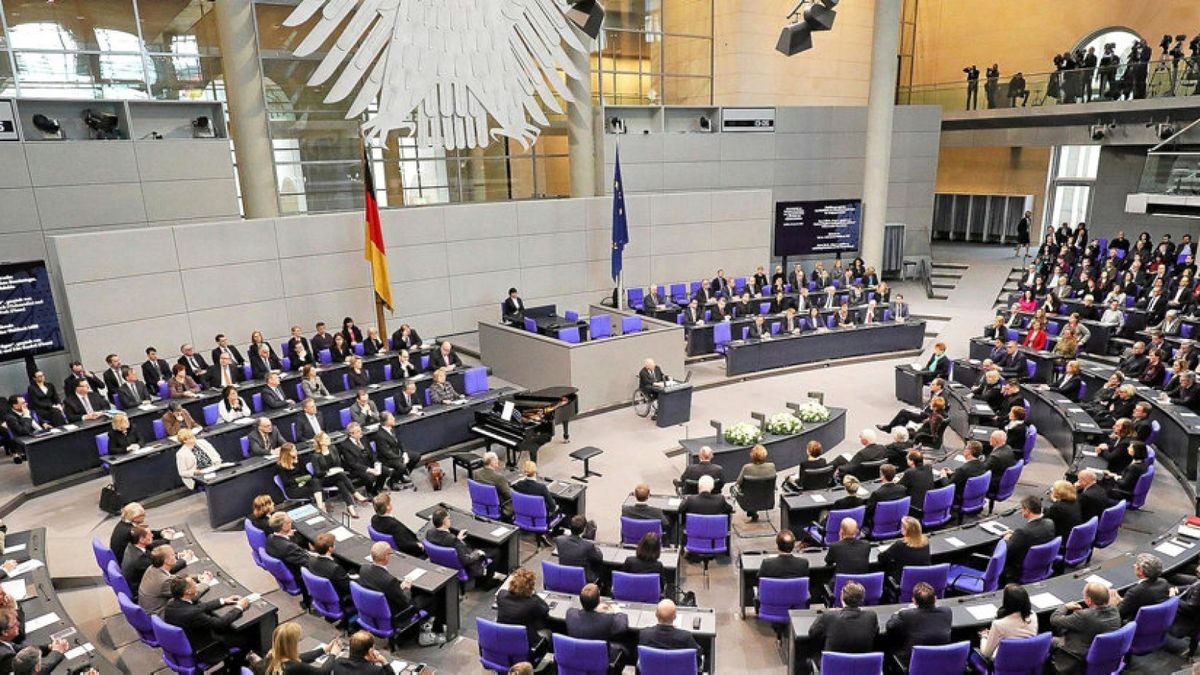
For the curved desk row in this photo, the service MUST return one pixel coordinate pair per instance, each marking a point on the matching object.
(748, 356)
(784, 451)
(1043, 361)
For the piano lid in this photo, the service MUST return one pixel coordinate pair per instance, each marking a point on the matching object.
(550, 393)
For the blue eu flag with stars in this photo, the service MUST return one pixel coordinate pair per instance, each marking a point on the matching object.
(620, 221)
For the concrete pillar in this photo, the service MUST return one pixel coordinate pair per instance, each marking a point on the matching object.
(880, 106)
(247, 107)
(581, 144)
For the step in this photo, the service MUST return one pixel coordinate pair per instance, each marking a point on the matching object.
(945, 276)
(939, 297)
(945, 286)
(950, 266)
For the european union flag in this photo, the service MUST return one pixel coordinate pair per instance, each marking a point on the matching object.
(620, 221)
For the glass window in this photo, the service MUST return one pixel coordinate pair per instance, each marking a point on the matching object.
(68, 25)
(187, 26)
(1078, 161)
(1071, 203)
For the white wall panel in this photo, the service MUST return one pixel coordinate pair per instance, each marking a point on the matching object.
(211, 287)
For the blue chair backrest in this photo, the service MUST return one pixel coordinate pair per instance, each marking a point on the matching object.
(211, 414)
(530, 325)
(176, 648)
(1052, 327)
(939, 660)
(244, 441)
(563, 578)
(571, 315)
(102, 553)
(446, 557)
(1008, 481)
(429, 397)
(115, 580)
(776, 597)
(1039, 561)
(934, 575)
(475, 380)
(247, 371)
(1110, 524)
(1107, 652)
(324, 357)
(1080, 542)
(360, 349)
(569, 334)
(324, 596)
(374, 615)
(163, 390)
(1152, 624)
(633, 529)
(485, 500)
(1013, 336)
(1142, 489)
(137, 617)
(256, 402)
(1185, 331)
(600, 326)
(678, 292)
(631, 324)
(667, 661)
(256, 538)
(707, 534)
(424, 362)
(636, 587)
(529, 512)
(160, 431)
(344, 417)
(580, 657)
(938, 504)
(635, 296)
(840, 663)
(722, 333)
(345, 382)
(1155, 427)
(975, 493)
(102, 445)
(764, 308)
(1031, 433)
(501, 645)
(1022, 656)
(376, 535)
(835, 517)
(872, 583)
(995, 566)
(1030, 369)
(887, 518)
(287, 583)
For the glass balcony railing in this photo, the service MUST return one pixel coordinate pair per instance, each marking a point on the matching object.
(1157, 79)
(1171, 174)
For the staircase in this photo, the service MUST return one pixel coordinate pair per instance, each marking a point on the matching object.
(943, 277)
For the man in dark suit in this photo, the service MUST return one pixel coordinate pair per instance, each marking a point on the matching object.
(491, 474)
(362, 658)
(223, 347)
(1140, 416)
(136, 559)
(281, 546)
(851, 629)
(1001, 457)
(360, 463)
(471, 560)
(444, 357)
(193, 363)
(263, 362)
(112, 375)
(593, 620)
(1188, 393)
(758, 329)
(1036, 530)
(324, 566)
(80, 374)
(664, 634)
(888, 491)
(870, 452)
(784, 565)
(389, 450)
(1133, 363)
(917, 479)
(300, 351)
(641, 510)
(972, 466)
(384, 523)
(406, 400)
(1012, 365)
(19, 419)
(1093, 498)
(265, 440)
(705, 502)
(226, 373)
(905, 416)
(14, 656)
(154, 369)
(208, 632)
(1010, 397)
(83, 404)
(309, 424)
(132, 392)
(273, 397)
(704, 294)
(530, 484)
(132, 515)
(1076, 625)
(924, 624)
(693, 314)
(703, 466)
(573, 549)
(1150, 589)
(514, 306)
(322, 339)
(649, 375)
(849, 554)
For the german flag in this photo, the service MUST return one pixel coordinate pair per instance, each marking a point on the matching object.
(376, 253)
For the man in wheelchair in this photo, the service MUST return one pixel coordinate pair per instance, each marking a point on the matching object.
(646, 396)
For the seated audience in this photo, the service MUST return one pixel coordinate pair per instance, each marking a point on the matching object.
(1150, 588)
(664, 634)
(851, 629)
(640, 509)
(849, 554)
(704, 502)
(519, 605)
(1064, 510)
(1036, 530)
(328, 471)
(384, 522)
(195, 456)
(473, 561)
(645, 559)
(912, 549)
(286, 658)
(362, 659)
(210, 633)
(491, 474)
(784, 565)
(123, 437)
(1076, 624)
(530, 484)
(441, 391)
(232, 407)
(265, 440)
(577, 551)
(922, 624)
(595, 620)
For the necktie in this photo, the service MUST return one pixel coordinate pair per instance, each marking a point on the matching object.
(225, 378)
(133, 394)
(192, 361)
(87, 404)
(202, 459)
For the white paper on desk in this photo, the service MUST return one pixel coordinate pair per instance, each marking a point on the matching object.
(983, 612)
(14, 548)
(189, 558)
(1184, 529)
(340, 533)
(820, 499)
(1165, 548)
(56, 430)
(213, 581)
(85, 648)
(674, 501)
(955, 542)
(378, 467)
(499, 531)
(414, 575)
(1097, 579)
(335, 471)
(22, 568)
(177, 535)
(144, 449)
(1045, 601)
(253, 597)
(960, 458)
(70, 427)
(372, 386)
(146, 405)
(863, 492)
(226, 465)
(1187, 414)
(315, 521)
(209, 475)
(40, 622)
(246, 420)
(14, 589)
(995, 527)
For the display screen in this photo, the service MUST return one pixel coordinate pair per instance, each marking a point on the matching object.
(28, 322)
(817, 227)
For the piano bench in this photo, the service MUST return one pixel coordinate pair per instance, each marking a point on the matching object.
(585, 454)
(469, 461)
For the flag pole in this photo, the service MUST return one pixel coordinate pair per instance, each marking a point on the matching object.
(619, 300)
(380, 322)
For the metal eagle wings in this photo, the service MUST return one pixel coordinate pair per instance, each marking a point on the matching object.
(451, 73)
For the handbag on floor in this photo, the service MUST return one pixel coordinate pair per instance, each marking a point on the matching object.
(111, 501)
(435, 474)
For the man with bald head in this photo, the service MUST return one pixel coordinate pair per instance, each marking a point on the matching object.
(1000, 457)
(1093, 498)
(702, 466)
(849, 554)
(444, 357)
(1076, 624)
(664, 634)
(375, 576)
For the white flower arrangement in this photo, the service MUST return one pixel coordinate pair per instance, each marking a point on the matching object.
(743, 433)
(784, 424)
(813, 412)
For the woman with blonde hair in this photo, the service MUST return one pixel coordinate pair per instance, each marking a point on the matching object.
(285, 657)
(1064, 509)
(296, 479)
(912, 549)
(328, 471)
(758, 467)
(122, 438)
(260, 512)
(852, 500)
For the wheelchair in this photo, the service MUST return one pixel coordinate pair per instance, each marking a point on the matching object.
(643, 404)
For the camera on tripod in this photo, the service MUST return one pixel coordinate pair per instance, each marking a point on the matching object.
(1177, 51)
(1194, 46)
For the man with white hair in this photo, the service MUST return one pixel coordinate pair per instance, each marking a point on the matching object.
(648, 376)
(1171, 323)
(1150, 589)
(1000, 457)
(703, 466)
(705, 502)
(490, 474)
(870, 452)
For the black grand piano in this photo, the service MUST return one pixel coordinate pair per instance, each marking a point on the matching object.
(531, 420)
